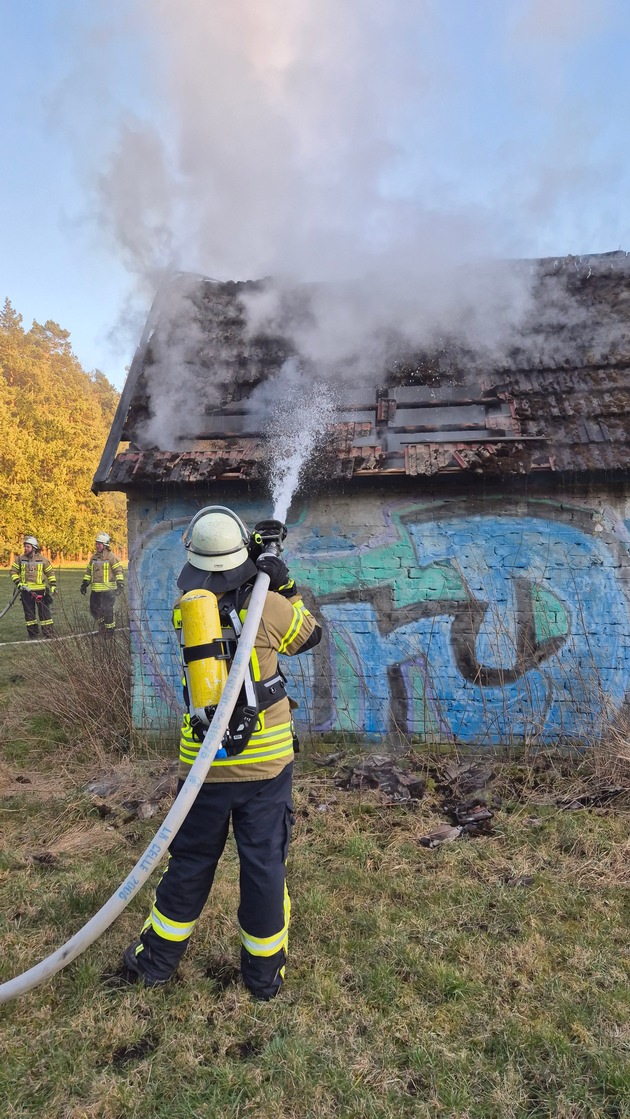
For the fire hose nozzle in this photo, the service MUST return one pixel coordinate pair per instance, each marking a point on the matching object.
(271, 532)
(273, 548)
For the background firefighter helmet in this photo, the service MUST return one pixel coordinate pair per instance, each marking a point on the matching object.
(102, 538)
(216, 539)
(32, 540)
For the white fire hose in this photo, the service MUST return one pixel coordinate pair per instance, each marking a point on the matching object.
(163, 837)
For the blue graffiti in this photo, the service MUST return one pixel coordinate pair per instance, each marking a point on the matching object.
(577, 608)
(474, 628)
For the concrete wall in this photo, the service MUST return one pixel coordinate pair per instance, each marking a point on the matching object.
(475, 620)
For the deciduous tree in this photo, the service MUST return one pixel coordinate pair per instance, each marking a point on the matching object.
(54, 420)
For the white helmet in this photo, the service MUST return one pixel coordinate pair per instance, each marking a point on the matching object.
(216, 539)
(102, 538)
(32, 540)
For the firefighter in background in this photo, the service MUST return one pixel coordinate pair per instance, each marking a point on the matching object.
(104, 574)
(253, 787)
(34, 577)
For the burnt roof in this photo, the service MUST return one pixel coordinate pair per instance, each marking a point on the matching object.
(558, 399)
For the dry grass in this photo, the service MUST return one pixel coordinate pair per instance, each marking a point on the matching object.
(84, 838)
(420, 983)
(487, 979)
(76, 692)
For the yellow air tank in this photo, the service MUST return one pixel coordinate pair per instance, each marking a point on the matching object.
(201, 625)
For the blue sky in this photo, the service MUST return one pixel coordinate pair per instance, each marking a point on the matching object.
(305, 137)
(53, 263)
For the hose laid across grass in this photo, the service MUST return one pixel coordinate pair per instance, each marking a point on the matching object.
(67, 637)
(163, 837)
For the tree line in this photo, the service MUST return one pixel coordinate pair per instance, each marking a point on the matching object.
(54, 420)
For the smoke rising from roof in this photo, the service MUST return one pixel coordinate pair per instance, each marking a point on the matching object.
(369, 148)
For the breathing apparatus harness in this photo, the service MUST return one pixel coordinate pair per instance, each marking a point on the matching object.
(209, 630)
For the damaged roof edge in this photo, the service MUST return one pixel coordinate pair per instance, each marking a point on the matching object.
(126, 396)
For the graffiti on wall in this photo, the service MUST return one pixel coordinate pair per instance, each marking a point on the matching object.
(505, 623)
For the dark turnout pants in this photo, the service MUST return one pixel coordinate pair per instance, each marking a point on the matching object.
(37, 610)
(262, 816)
(102, 609)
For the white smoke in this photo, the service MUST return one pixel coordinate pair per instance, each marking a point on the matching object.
(390, 153)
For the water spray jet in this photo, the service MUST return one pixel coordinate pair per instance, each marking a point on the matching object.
(295, 430)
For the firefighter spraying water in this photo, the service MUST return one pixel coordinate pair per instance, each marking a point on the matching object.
(249, 782)
(205, 646)
(233, 764)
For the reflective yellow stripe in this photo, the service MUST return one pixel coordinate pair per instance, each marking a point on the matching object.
(188, 745)
(111, 574)
(296, 618)
(262, 746)
(269, 945)
(38, 584)
(262, 736)
(246, 758)
(167, 928)
(293, 630)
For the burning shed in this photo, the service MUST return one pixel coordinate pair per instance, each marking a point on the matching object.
(462, 522)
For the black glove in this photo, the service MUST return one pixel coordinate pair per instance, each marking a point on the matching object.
(84, 587)
(119, 588)
(275, 568)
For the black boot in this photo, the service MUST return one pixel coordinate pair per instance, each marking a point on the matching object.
(143, 968)
(263, 975)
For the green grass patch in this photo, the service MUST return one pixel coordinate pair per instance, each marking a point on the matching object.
(68, 606)
(420, 983)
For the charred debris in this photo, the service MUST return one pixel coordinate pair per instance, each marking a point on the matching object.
(557, 401)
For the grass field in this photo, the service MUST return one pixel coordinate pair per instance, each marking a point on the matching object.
(486, 978)
(70, 608)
